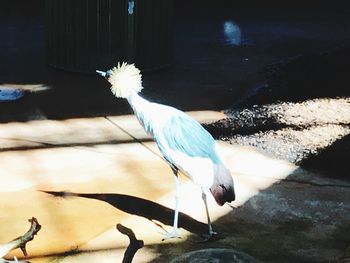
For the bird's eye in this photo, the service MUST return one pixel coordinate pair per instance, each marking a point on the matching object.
(223, 187)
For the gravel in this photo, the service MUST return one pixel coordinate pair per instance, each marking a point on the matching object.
(290, 131)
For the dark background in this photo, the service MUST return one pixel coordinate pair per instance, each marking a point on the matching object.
(206, 72)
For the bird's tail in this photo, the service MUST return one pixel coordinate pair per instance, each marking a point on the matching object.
(126, 79)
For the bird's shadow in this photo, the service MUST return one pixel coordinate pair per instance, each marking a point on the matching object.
(140, 207)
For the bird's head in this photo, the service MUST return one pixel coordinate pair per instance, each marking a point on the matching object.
(125, 79)
(223, 187)
(223, 193)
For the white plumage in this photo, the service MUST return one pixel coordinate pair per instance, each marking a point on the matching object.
(184, 143)
(125, 80)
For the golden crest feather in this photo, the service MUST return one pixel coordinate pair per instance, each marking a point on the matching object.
(125, 80)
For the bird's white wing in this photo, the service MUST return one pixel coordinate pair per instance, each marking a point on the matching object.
(183, 134)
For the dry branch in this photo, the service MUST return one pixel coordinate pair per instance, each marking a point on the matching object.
(134, 245)
(12, 261)
(21, 241)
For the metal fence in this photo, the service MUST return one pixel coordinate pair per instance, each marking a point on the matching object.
(83, 35)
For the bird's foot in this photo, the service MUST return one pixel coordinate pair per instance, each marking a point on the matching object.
(171, 235)
(208, 237)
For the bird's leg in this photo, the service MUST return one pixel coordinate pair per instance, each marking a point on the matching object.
(174, 233)
(176, 215)
(210, 232)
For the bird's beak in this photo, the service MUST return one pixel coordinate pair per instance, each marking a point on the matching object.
(106, 74)
(101, 73)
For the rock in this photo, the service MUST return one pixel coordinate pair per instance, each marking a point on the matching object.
(216, 255)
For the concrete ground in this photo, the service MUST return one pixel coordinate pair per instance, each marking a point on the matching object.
(69, 134)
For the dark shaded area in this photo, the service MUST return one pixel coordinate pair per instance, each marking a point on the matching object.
(198, 8)
(332, 160)
(283, 226)
(215, 255)
(343, 257)
(141, 207)
(19, 7)
(45, 145)
(207, 72)
(306, 77)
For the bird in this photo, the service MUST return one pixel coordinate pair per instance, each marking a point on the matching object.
(184, 143)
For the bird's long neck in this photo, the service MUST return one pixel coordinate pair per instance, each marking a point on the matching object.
(143, 111)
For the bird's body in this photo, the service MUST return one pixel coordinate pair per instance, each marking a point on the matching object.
(184, 143)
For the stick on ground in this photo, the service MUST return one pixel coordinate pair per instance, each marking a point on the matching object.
(134, 245)
(21, 241)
